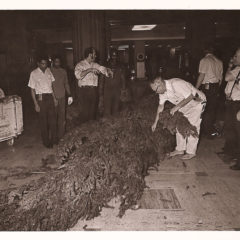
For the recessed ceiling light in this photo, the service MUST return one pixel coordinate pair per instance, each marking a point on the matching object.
(143, 27)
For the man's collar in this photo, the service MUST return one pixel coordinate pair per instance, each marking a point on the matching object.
(208, 54)
(41, 70)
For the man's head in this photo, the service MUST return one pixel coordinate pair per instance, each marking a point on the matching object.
(113, 53)
(236, 57)
(158, 85)
(42, 62)
(208, 47)
(56, 61)
(90, 54)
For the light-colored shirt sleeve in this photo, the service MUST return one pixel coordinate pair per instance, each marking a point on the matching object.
(162, 99)
(31, 82)
(235, 71)
(102, 69)
(203, 66)
(78, 71)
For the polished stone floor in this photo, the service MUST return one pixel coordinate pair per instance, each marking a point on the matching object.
(197, 194)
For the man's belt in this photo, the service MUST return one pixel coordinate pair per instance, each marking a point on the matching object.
(88, 86)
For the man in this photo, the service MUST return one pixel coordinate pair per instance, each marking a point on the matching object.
(87, 72)
(44, 101)
(60, 88)
(188, 100)
(232, 121)
(114, 85)
(209, 80)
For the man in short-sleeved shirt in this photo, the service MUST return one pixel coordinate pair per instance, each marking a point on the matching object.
(86, 72)
(44, 100)
(181, 94)
(209, 80)
(231, 123)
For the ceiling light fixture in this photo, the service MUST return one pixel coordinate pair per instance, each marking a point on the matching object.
(143, 27)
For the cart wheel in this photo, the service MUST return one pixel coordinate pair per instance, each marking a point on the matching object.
(10, 142)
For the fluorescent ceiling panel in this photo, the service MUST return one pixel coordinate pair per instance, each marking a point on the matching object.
(143, 27)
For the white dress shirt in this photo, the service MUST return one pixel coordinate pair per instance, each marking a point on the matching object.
(90, 79)
(41, 81)
(212, 67)
(178, 90)
(236, 90)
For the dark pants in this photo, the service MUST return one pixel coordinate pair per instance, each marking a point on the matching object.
(111, 101)
(232, 129)
(61, 117)
(209, 116)
(47, 117)
(88, 103)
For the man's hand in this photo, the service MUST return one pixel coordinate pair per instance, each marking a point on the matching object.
(95, 71)
(37, 108)
(109, 72)
(55, 102)
(154, 127)
(70, 100)
(173, 110)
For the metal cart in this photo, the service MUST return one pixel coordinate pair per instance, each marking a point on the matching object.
(11, 118)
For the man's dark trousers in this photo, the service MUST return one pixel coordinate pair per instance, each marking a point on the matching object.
(47, 117)
(88, 103)
(232, 129)
(209, 116)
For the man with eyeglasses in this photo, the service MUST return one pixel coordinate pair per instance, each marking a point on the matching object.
(188, 100)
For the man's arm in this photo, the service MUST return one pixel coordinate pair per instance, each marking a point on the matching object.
(221, 74)
(53, 94)
(85, 72)
(104, 70)
(80, 73)
(229, 76)
(66, 84)
(200, 80)
(159, 110)
(182, 104)
(33, 93)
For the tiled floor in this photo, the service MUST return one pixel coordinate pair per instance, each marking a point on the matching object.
(207, 190)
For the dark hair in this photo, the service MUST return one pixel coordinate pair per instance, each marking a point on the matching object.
(208, 47)
(88, 51)
(56, 57)
(42, 57)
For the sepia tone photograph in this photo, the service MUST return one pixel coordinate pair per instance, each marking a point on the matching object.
(119, 120)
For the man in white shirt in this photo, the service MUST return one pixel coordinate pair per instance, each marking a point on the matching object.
(209, 80)
(87, 72)
(188, 100)
(44, 101)
(232, 123)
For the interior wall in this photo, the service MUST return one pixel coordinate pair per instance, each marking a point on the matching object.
(89, 30)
